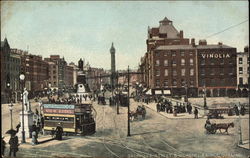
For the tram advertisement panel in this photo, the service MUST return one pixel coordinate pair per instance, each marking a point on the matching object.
(59, 109)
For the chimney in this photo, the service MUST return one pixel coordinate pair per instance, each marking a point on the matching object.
(246, 49)
(193, 42)
(181, 34)
(220, 43)
(202, 42)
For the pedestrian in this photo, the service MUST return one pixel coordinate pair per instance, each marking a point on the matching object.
(3, 146)
(242, 110)
(13, 144)
(196, 113)
(34, 137)
(236, 110)
(59, 132)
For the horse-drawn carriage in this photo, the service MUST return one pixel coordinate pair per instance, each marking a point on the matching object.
(141, 110)
(212, 128)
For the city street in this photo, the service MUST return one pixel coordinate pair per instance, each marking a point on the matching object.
(155, 136)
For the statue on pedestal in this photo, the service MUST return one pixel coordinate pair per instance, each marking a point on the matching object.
(26, 100)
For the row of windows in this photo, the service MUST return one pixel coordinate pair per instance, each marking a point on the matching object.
(220, 71)
(174, 53)
(217, 82)
(241, 60)
(174, 83)
(56, 118)
(212, 62)
(174, 72)
(166, 62)
(241, 70)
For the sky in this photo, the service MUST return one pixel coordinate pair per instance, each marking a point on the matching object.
(85, 29)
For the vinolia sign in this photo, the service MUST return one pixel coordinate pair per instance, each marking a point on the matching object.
(215, 55)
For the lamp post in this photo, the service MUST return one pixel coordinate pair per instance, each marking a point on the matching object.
(186, 88)
(128, 106)
(22, 77)
(8, 91)
(11, 108)
(205, 97)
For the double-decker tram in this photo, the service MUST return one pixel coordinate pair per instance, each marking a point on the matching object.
(76, 118)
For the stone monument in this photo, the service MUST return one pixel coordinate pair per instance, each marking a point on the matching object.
(28, 116)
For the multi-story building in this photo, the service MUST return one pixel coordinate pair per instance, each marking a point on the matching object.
(53, 75)
(69, 76)
(75, 70)
(173, 64)
(216, 69)
(5, 70)
(243, 71)
(61, 66)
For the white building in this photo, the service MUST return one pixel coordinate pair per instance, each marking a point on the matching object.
(243, 68)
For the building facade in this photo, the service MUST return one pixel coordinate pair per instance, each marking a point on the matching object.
(216, 69)
(243, 71)
(172, 63)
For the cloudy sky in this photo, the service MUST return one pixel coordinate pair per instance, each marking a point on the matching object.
(84, 29)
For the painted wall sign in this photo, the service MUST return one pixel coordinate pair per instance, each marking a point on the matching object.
(59, 106)
(215, 55)
(59, 111)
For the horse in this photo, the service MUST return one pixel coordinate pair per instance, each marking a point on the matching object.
(224, 126)
(132, 115)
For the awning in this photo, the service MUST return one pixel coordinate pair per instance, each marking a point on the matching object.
(158, 92)
(149, 92)
(166, 92)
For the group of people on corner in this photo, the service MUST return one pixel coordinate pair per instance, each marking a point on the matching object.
(238, 110)
(71, 99)
(165, 105)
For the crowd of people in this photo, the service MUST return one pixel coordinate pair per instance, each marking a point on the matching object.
(71, 99)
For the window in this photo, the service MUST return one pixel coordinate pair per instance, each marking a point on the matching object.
(183, 71)
(191, 82)
(240, 70)
(231, 71)
(173, 63)
(191, 72)
(222, 61)
(203, 72)
(157, 63)
(241, 81)
(174, 73)
(248, 70)
(248, 60)
(202, 61)
(211, 71)
(190, 53)
(182, 53)
(191, 61)
(212, 82)
(166, 54)
(157, 72)
(165, 83)
(173, 53)
(240, 60)
(221, 71)
(157, 84)
(166, 62)
(230, 62)
(182, 61)
(166, 72)
(202, 82)
(183, 82)
(212, 62)
(174, 82)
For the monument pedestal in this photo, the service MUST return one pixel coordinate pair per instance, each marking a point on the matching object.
(28, 122)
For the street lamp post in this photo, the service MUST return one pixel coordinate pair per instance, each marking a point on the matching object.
(22, 77)
(205, 97)
(128, 106)
(8, 91)
(11, 108)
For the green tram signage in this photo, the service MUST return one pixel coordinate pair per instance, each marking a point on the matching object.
(58, 106)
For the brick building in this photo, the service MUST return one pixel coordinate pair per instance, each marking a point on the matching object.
(173, 64)
(243, 71)
(216, 69)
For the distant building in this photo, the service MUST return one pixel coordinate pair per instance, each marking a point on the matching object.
(75, 70)
(5, 70)
(243, 70)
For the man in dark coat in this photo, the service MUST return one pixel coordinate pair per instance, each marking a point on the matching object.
(236, 110)
(13, 144)
(59, 132)
(196, 113)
